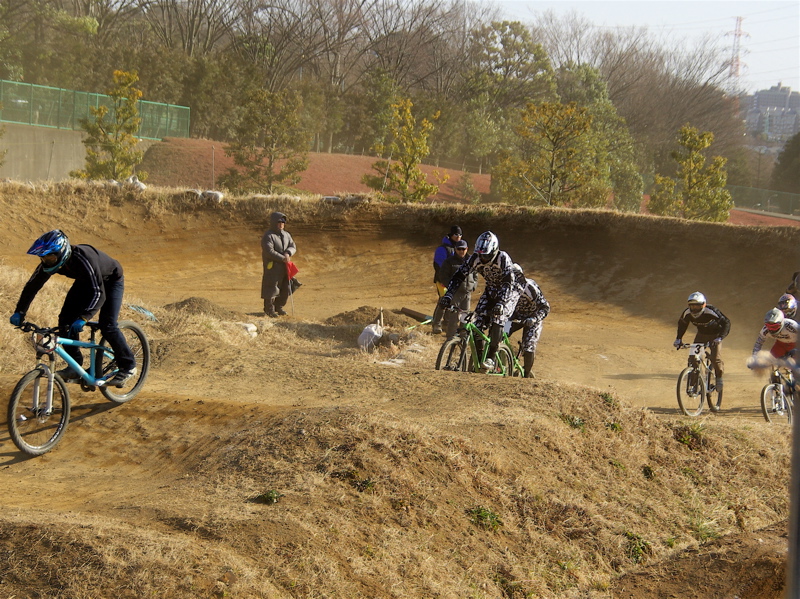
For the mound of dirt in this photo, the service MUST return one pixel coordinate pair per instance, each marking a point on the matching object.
(198, 163)
(368, 314)
(396, 480)
(201, 305)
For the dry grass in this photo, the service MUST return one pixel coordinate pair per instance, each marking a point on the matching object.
(579, 488)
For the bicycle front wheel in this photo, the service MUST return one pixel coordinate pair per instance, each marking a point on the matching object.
(454, 355)
(36, 430)
(691, 391)
(107, 364)
(504, 362)
(775, 404)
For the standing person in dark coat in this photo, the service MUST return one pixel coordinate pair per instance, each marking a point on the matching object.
(98, 287)
(277, 248)
(445, 250)
(462, 295)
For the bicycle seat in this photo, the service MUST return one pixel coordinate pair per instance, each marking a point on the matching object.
(93, 325)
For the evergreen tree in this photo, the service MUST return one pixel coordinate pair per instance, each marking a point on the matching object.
(271, 145)
(400, 176)
(553, 165)
(786, 174)
(2, 132)
(698, 191)
(111, 142)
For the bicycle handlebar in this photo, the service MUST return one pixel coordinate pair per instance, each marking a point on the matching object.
(458, 310)
(764, 361)
(29, 327)
(688, 345)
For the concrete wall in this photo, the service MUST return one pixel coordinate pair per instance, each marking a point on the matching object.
(41, 153)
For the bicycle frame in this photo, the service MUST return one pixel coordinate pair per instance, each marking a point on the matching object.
(90, 376)
(701, 363)
(785, 378)
(468, 327)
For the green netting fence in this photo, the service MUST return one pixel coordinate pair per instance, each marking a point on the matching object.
(28, 104)
(765, 199)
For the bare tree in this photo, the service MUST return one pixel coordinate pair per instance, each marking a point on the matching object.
(447, 62)
(110, 15)
(401, 33)
(279, 38)
(658, 85)
(194, 26)
(340, 64)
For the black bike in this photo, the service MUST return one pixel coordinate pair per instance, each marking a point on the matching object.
(697, 383)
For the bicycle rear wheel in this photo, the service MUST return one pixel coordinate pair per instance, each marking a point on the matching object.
(713, 393)
(775, 404)
(691, 391)
(107, 364)
(454, 355)
(37, 431)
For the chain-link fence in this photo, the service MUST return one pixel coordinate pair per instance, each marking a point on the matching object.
(29, 104)
(765, 199)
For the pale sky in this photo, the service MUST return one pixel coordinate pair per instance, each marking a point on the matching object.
(769, 54)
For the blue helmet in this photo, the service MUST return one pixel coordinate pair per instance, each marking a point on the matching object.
(53, 243)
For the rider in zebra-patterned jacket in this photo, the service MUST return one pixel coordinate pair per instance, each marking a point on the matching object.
(532, 308)
(504, 284)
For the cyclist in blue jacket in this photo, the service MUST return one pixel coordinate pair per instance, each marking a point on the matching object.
(98, 287)
(442, 253)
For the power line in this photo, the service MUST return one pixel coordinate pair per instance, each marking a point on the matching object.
(783, 39)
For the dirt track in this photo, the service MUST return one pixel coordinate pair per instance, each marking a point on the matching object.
(616, 286)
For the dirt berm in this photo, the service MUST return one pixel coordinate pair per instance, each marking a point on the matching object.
(290, 464)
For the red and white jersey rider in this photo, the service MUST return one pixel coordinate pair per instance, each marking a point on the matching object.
(783, 330)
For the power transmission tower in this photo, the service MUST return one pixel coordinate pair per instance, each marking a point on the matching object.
(735, 71)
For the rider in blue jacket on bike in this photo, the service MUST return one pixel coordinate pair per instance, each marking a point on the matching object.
(98, 287)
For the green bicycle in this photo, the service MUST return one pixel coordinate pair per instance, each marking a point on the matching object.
(461, 353)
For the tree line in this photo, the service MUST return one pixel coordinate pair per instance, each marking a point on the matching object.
(602, 109)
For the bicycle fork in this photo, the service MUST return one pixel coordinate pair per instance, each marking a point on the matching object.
(49, 374)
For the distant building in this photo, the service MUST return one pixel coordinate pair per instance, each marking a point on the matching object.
(773, 114)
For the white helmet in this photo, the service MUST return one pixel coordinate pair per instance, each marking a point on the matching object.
(487, 246)
(773, 320)
(696, 301)
(788, 305)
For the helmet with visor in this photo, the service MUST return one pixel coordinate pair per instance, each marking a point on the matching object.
(487, 246)
(788, 305)
(53, 249)
(697, 302)
(773, 320)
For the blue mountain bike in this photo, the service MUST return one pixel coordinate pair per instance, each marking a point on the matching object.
(39, 408)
